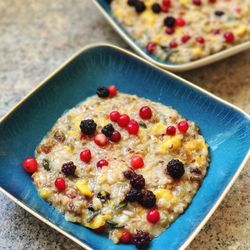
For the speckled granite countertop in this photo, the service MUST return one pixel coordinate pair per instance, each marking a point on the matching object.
(36, 37)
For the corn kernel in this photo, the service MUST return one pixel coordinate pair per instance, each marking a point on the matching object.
(158, 129)
(195, 144)
(166, 194)
(83, 187)
(197, 52)
(171, 144)
(44, 193)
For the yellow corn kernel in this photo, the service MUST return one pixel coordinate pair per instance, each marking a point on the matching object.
(241, 31)
(194, 144)
(166, 194)
(44, 193)
(83, 187)
(184, 1)
(149, 17)
(197, 51)
(158, 129)
(171, 144)
(97, 222)
(69, 149)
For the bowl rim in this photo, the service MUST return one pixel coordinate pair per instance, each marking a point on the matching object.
(173, 67)
(186, 82)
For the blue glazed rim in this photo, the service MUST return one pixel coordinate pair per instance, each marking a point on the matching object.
(103, 6)
(132, 56)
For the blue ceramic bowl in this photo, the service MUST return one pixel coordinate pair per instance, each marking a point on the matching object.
(225, 128)
(104, 7)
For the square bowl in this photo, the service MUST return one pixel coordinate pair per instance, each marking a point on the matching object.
(225, 128)
(104, 7)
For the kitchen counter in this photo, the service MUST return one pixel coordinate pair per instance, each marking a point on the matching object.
(38, 36)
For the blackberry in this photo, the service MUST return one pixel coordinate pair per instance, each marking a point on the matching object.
(108, 130)
(103, 196)
(156, 8)
(68, 168)
(148, 199)
(141, 239)
(169, 21)
(140, 7)
(133, 195)
(175, 169)
(88, 127)
(219, 13)
(129, 174)
(137, 181)
(132, 2)
(102, 92)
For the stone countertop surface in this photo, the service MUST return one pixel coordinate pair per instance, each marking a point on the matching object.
(38, 36)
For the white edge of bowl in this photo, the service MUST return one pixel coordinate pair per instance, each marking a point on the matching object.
(175, 67)
(96, 45)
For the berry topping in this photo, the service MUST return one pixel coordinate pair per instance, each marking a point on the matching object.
(185, 38)
(102, 92)
(133, 195)
(102, 163)
(140, 6)
(171, 130)
(148, 199)
(166, 3)
(145, 113)
(180, 22)
(169, 21)
(183, 126)
(126, 236)
(68, 168)
(153, 216)
(116, 136)
(129, 174)
(200, 40)
(170, 31)
(151, 47)
(108, 130)
(132, 2)
(219, 13)
(60, 184)
(112, 90)
(156, 8)
(164, 8)
(141, 239)
(123, 120)
(30, 165)
(175, 169)
(136, 162)
(137, 181)
(85, 155)
(100, 140)
(103, 196)
(197, 2)
(133, 127)
(229, 37)
(100, 229)
(88, 127)
(173, 44)
(114, 115)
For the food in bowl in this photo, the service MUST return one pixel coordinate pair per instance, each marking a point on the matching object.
(185, 30)
(120, 164)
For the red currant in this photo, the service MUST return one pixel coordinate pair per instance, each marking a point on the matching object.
(200, 40)
(145, 113)
(123, 120)
(229, 37)
(212, 1)
(180, 22)
(170, 31)
(102, 163)
(173, 44)
(164, 8)
(136, 162)
(60, 184)
(185, 38)
(183, 126)
(197, 2)
(30, 165)
(126, 236)
(166, 3)
(153, 216)
(151, 47)
(85, 155)
(114, 115)
(100, 139)
(112, 90)
(133, 127)
(171, 130)
(116, 136)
